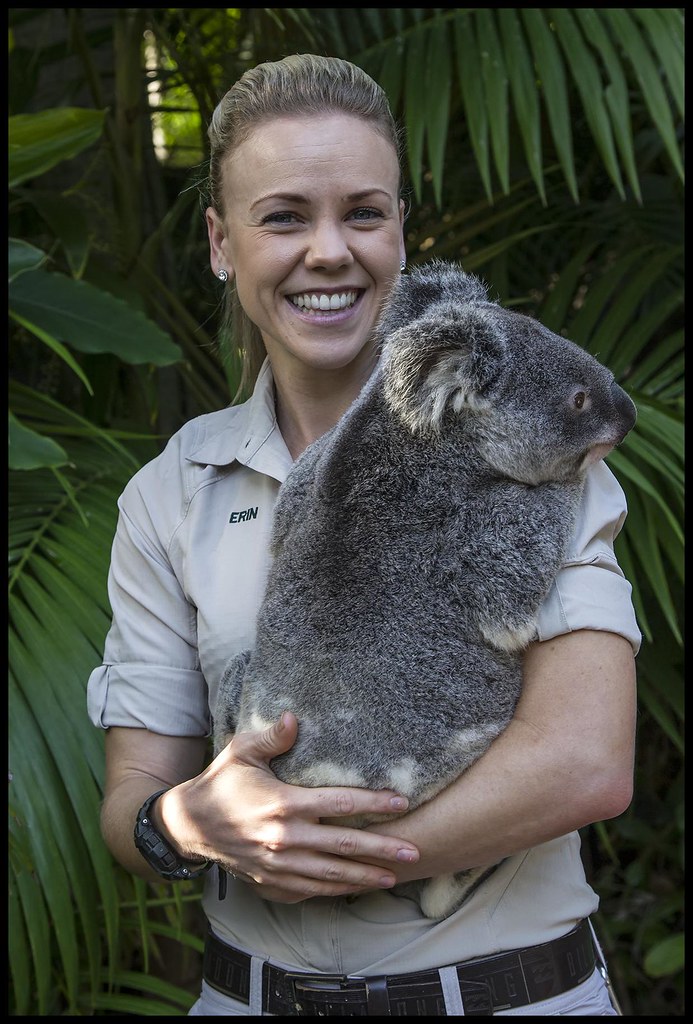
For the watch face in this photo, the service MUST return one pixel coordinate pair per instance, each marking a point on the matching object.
(157, 852)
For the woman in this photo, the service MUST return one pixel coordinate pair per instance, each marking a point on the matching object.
(305, 230)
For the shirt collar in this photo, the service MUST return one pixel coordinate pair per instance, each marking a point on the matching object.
(251, 437)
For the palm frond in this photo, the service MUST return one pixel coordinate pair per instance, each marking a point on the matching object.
(524, 61)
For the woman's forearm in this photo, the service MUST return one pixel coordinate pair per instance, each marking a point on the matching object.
(139, 763)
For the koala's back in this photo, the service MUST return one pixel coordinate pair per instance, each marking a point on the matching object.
(366, 630)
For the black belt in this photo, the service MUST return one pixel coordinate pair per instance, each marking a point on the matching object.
(500, 982)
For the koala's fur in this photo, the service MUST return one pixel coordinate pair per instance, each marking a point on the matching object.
(413, 545)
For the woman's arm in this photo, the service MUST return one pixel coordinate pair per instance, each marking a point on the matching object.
(236, 812)
(565, 760)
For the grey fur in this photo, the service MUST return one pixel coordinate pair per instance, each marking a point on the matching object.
(413, 545)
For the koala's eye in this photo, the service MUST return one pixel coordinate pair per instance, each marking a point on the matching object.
(579, 399)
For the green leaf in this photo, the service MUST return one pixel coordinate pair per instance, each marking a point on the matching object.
(37, 923)
(645, 279)
(586, 77)
(666, 957)
(89, 319)
(524, 92)
(471, 87)
(662, 715)
(495, 82)
(549, 67)
(626, 31)
(390, 77)
(664, 32)
(58, 620)
(61, 421)
(483, 256)
(663, 426)
(18, 952)
(22, 257)
(29, 764)
(154, 986)
(554, 310)
(38, 142)
(615, 94)
(415, 106)
(66, 219)
(627, 468)
(601, 295)
(54, 344)
(437, 102)
(643, 524)
(29, 450)
(668, 352)
(644, 329)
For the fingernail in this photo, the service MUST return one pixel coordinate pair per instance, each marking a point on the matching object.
(399, 803)
(282, 722)
(387, 881)
(407, 855)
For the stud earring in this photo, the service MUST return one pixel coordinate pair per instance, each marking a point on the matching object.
(223, 275)
(402, 266)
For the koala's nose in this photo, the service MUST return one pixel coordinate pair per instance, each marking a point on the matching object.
(625, 407)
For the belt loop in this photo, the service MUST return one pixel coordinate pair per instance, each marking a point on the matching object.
(255, 990)
(449, 982)
(377, 998)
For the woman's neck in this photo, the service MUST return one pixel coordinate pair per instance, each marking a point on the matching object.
(309, 404)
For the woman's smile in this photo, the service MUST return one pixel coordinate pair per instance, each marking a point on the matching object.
(326, 305)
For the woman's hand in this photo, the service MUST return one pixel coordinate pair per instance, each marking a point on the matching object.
(237, 813)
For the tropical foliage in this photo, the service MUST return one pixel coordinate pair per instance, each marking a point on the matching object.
(544, 151)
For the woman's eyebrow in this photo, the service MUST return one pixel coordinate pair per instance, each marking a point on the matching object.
(293, 197)
(354, 197)
(288, 197)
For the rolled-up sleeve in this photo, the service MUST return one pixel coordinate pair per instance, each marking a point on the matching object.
(590, 590)
(150, 676)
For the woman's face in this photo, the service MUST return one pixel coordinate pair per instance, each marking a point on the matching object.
(312, 233)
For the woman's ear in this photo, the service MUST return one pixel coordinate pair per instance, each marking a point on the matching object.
(218, 251)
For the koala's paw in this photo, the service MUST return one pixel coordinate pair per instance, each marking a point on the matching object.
(509, 637)
(445, 894)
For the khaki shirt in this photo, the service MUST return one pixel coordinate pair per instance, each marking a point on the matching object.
(188, 571)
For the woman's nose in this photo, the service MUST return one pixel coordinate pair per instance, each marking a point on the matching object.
(328, 248)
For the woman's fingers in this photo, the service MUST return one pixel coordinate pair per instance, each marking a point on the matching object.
(350, 844)
(295, 874)
(260, 747)
(344, 801)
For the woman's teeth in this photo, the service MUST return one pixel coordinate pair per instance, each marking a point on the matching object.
(324, 303)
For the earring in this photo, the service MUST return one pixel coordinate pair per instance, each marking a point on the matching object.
(402, 266)
(223, 275)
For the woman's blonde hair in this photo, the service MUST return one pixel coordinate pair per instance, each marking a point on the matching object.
(302, 83)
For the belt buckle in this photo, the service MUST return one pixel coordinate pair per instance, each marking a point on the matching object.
(303, 982)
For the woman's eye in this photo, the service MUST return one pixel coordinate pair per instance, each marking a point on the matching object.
(366, 213)
(279, 218)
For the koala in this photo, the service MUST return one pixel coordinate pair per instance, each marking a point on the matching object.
(413, 545)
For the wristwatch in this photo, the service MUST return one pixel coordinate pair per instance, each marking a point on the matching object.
(156, 850)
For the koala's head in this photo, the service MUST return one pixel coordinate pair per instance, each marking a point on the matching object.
(534, 405)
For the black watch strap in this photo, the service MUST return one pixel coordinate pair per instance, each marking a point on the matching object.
(157, 851)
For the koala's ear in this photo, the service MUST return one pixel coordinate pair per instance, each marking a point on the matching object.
(434, 283)
(447, 359)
